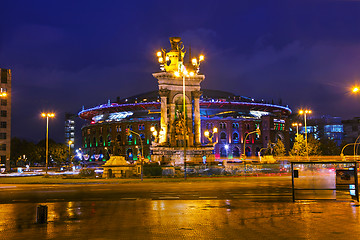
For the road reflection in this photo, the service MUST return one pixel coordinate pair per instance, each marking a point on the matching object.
(179, 219)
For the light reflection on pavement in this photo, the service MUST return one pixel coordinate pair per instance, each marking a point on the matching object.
(180, 219)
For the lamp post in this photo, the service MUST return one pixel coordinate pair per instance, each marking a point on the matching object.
(210, 136)
(128, 131)
(47, 116)
(305, 112)
(70, 142)
(297, 125)
(256, 131)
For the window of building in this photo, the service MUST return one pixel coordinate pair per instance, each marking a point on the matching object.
(223, 136)
(3, 113)
(3, 159)
(3, 76)
(3, 124)
(3, 102)
(2, 135)
(3, 147)
(235, 137)
(118, 138)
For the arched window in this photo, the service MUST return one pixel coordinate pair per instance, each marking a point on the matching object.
(129, 154)
(142, 136)
(223, 137)
(223, 152)
(130, 138)
(235, 137)
(118, 138)
(247, 151)
(236, 152)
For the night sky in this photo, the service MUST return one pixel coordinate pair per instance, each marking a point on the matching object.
(69, 54)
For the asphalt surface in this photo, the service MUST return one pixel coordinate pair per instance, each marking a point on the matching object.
(239, 188)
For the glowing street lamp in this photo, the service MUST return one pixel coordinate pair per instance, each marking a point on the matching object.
(355, 89)
(47, 116)
(210, 135)
(305, 112)
(297, 125)
(70, 142)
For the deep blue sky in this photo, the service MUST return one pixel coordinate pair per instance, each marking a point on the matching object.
(64, 55)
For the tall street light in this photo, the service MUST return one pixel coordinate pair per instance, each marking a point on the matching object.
(70, 142)
(305, 112)
(297, 125)
(47, 116)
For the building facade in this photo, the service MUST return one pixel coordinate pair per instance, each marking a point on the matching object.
(233, 116)
(325, 127)
(5, 118)
(70, 129)
(351, 129)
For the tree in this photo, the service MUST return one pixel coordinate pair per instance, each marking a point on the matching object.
(313, 146)
(35, 153)
(299, 148)
(329, 148)
(279, 149)
(58, 152)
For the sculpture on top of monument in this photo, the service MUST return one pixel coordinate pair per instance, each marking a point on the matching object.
(173, 61)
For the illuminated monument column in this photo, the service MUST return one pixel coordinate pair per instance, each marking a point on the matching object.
(164, 118)
(197, 121)
(180, 124)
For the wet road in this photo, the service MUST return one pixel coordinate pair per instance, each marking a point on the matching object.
(183, 219)
(238, 209)
(239, 188)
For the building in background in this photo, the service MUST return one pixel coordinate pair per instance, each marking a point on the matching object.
(325, 127)
(5, 118)
(233, 116)
(351, 129)
(70, 129)
(181, 122)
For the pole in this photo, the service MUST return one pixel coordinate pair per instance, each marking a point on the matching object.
(245, 140)
(184, 113)
(355, 153)
(306, 140)
(47, 143)
(142, 152)
(297, 129)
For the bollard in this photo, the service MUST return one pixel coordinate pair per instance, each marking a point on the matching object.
(41, 214)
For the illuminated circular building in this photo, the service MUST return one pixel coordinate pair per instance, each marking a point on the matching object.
(232, 116)
(181, 123)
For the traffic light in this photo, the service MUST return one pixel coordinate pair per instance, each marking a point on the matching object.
(127, 132)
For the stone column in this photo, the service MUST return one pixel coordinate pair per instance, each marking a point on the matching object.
(197, 120)
(172, 119)
(164, 119)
